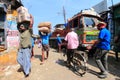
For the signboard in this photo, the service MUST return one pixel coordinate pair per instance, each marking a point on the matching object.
(13, 41)
(11, 22)
(12, 33)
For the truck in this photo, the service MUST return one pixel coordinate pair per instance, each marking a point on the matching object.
(84, 24)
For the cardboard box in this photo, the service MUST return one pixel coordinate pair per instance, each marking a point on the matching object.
(22, 9)
(23, 17)
(18, 18)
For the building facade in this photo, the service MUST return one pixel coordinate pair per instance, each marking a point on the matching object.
(8, 24)
(116, 17)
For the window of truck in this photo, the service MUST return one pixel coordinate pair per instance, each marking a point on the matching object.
(89, 22)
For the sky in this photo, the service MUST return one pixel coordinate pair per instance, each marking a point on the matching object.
(52, 10)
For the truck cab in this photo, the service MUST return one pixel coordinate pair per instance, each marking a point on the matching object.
(84, 24)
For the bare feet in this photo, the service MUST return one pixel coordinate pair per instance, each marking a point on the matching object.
(41, 63)
(46, 58)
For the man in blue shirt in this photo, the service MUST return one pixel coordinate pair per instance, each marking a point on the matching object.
(45, 44)
(103, 46)
(59, 42)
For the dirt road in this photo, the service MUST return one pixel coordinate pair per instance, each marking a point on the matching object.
(54, 69)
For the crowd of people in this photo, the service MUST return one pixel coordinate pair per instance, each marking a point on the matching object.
(26, 52)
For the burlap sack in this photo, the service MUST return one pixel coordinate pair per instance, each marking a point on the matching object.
(44, 29)
(44, 24)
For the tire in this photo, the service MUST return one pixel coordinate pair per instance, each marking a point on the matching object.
(79, 63)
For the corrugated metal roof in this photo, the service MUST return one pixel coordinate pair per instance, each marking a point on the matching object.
(116, 5)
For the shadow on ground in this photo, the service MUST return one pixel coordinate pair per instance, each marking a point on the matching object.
(71, 68)
(38, 56)
(113, 65)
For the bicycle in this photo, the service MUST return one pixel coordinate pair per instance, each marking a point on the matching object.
(79, 61)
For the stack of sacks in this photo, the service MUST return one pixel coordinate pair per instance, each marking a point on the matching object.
(23, 14)
(44, 27)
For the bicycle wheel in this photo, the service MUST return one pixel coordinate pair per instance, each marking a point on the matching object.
(80, 63)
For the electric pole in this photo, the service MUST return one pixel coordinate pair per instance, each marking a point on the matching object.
(64, 14)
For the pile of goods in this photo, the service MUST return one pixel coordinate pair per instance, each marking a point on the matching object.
(24, 17)
(23, 14)
(44, 27)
